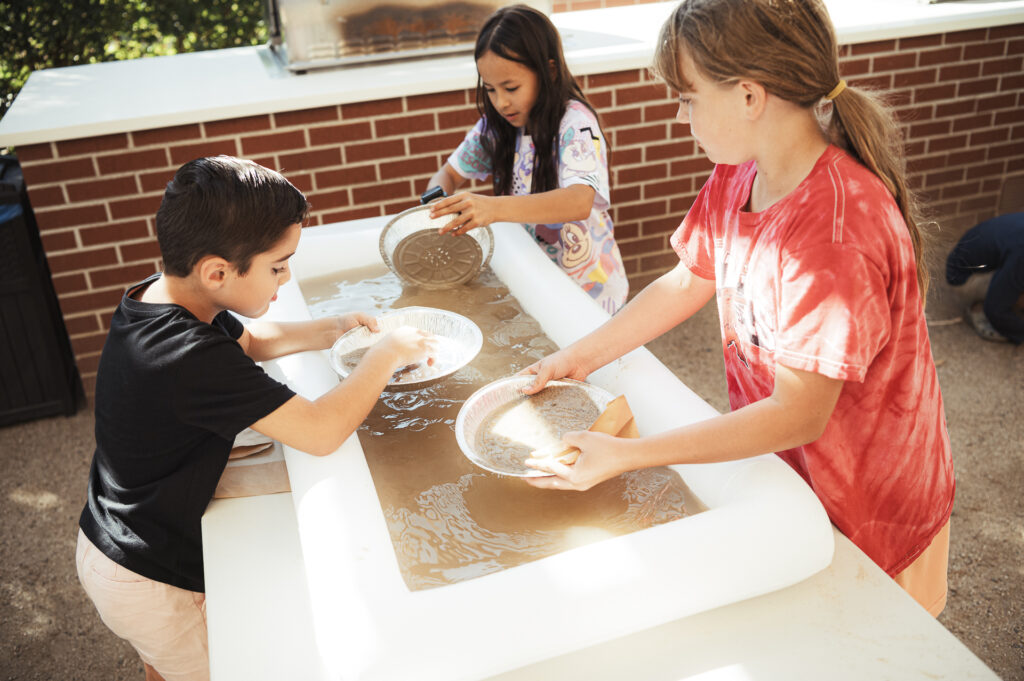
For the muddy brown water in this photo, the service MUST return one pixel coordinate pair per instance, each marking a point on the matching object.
(450, 520)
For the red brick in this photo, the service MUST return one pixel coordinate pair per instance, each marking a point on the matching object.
(86, 302)
(959, 72)
(57, 171)
(996, 169)
(639, 135)
(82, 260)
(969, 88)
(404, 125)
(989, 137)
(661, 112)
(371, 109)
(657, 171)
(121, 276)
(931, 94)
(965, 157)
(998, 66)
(34, 152)
(70, 283)
(461, 119)
(133, 160)
(900, 61)
(302, 181)
(917, 42)
(346, 176)
(375, 151)
(93, 190)
(149, 250)
(854, 67)
(310, 160)
(304, 117)
(396, 207)
(661, 262)
(1015, 47)
(1010, 31)
(190, 152)
(957, 191)
(660, 226)
(972, 122)
(644, 209)
(354, 214)
(70, 217)
(602, 101)
(156, 180)
(911, 78)
(627, 231)
(444, 142)
(945, 55)
(89, 343)
(916, 113)
(641, 93)
(969, 36)
(617, 118)
(621, 194)
(674, 149)
(178, 133)
(278, 141)
(381, 192)
(626, 157)
(59, 241)
(439, 100)
(81, 324)
(139, 205)
(114, 233)
(691, 166)
(955, 108)
(944, 177)
(642, 246)
(425, 165)
(985, 50)
(930, 129)
(91, 145)
(608, 79)
(1008, 117)
(1006, 101)
(87, 365)
(324, 200)
(877, 46)
(337, 134)
(947, 143)
(1011, 83)
(44, 197)
(234, 126)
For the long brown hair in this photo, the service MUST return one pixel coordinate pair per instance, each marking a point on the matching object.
(522, 34)
(789, 47)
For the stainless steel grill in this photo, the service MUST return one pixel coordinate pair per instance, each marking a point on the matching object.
(310, 34)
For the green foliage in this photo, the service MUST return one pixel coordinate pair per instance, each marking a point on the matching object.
(40, 34)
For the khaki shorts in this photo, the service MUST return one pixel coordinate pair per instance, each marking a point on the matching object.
(925, 578)
(165, 624)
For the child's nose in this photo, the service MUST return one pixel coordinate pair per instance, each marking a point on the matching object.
(683, 114)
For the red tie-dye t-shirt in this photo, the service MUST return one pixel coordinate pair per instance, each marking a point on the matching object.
(824, 280)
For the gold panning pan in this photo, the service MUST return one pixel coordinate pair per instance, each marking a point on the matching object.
(412, 248)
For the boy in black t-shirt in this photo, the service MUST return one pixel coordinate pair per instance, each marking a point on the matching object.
(178, 380)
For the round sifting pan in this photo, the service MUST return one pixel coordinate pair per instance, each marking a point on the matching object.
(412, 248)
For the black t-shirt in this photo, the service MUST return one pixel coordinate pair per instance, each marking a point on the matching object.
(171, 394)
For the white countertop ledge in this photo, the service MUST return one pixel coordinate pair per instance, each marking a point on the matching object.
(111, 97)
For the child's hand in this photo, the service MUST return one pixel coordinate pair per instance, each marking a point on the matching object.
(601, 458)
(561, 364)
(406, 345)
(347, 322)
(474, 210)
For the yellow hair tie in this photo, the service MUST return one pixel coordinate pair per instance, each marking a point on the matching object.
(836, 90)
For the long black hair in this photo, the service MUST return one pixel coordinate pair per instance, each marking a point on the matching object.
(524, 35)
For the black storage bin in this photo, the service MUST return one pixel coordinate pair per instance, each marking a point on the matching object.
(38, 376)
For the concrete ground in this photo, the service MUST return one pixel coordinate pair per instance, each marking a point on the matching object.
(49, 631)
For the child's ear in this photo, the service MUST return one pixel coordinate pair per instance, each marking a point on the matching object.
(755, 98)
(213, 271)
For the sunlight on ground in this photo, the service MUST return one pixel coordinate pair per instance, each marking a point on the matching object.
(40, 501)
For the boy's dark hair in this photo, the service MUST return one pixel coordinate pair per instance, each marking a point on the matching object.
(525, 35)
(227, 207)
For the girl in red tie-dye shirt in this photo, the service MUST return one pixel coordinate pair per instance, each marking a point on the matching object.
(808, 237)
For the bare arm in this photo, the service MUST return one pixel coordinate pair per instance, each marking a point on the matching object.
(263, 340)
(666, 302)
(319, 426)
(796, 413)
(447, 179)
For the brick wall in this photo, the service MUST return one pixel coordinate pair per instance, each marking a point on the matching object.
(960, 95)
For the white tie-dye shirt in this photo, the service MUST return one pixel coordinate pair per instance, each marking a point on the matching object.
(584, 249)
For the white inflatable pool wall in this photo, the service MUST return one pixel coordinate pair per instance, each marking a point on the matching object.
(764, 529)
